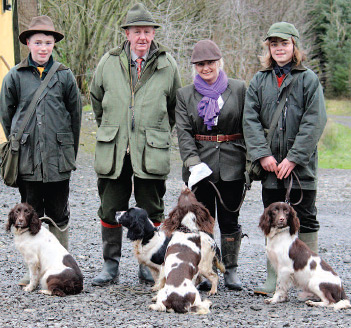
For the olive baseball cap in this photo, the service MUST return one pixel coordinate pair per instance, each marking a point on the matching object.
(282, 30)
(205, 50)
(138, 15)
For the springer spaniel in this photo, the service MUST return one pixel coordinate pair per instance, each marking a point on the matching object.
(47, 260)
(180, 270)
(185, 258)
(295, 263)
(150, 244)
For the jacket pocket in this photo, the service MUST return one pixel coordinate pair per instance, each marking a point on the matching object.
(156, 159)
(105, 151)
(26, 162)
(66, 160)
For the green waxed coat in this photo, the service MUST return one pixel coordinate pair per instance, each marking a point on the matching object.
(305, 121)
(154, 117)
(49, 144)
(225, 159)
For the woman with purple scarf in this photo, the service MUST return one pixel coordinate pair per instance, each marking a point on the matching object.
(208, 117)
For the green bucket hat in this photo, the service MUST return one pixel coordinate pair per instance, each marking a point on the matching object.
(139, 16)
(282, 30)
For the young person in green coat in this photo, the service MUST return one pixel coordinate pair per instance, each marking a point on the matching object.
(294, 143)
(211, 143)
(49, 144)
(133, 94)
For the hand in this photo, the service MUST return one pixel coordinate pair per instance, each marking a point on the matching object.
(197, 173)
(285, 168)
(269, 164)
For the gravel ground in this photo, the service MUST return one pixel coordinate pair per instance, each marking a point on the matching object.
(126, 304)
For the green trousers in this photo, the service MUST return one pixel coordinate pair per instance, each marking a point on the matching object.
(115, 195)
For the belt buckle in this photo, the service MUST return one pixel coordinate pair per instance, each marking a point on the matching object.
(220, 135)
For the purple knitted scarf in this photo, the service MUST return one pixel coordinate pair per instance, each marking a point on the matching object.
(208, 108)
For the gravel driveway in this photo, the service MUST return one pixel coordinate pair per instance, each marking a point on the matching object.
(126, 304)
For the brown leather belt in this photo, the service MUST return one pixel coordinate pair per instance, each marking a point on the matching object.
(219, 137)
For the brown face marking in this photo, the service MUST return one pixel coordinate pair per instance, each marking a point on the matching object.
(178, 303)
(299, 254)
(333, 292)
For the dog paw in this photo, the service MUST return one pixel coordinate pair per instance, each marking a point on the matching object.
(212, 292)
(45, 292)
(28, 288)
(269, 301)
(157, 307)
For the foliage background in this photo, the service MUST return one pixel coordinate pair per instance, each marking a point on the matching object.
(92, 27)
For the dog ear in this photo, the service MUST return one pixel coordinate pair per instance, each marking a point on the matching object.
(135, 227)
(35, 222)
(265, 221)
(293, 221)
(11, 220)
(204, 220)
(173, 221)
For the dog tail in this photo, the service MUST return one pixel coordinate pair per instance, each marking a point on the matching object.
(217, 260)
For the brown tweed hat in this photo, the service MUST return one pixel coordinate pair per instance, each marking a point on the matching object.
(205, 50)
(40, 24)
(139, 16)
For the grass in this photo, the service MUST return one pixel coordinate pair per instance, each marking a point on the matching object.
(338, 107)
(334, 147)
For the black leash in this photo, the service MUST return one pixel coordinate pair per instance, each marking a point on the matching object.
(288, 190)
(246, 188)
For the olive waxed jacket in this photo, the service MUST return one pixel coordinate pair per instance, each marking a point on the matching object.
(141, 124)
(49, 144)
(296, 137)
(225, 159)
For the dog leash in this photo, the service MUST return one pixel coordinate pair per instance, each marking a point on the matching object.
(54, 224)
(288, 190)
(246, 188)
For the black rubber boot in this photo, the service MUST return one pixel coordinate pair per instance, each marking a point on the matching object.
(230, 253)
(111, 250)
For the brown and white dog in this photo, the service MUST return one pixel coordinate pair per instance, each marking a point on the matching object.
(183, 258)
(47, 260)
(150, 243)
(295, 263)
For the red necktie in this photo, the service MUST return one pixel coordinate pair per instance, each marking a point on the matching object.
(139, 61)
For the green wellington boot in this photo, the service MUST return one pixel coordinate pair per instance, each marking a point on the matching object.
(310, 239)
(62, 236)
(270, 283)
(111, 250)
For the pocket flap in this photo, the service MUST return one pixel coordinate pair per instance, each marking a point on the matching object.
(158, 138)
(106, 133)
(65, 138)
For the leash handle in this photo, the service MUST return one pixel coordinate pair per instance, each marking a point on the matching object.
(288, 190)
(54, 224)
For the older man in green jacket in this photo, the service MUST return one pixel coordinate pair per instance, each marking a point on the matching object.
(133, 95)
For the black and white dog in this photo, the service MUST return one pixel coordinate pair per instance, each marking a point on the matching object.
(150, 244)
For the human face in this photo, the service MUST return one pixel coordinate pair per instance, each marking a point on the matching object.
(208, 70)
(140, 38)
(281, 50)
(40, 47)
